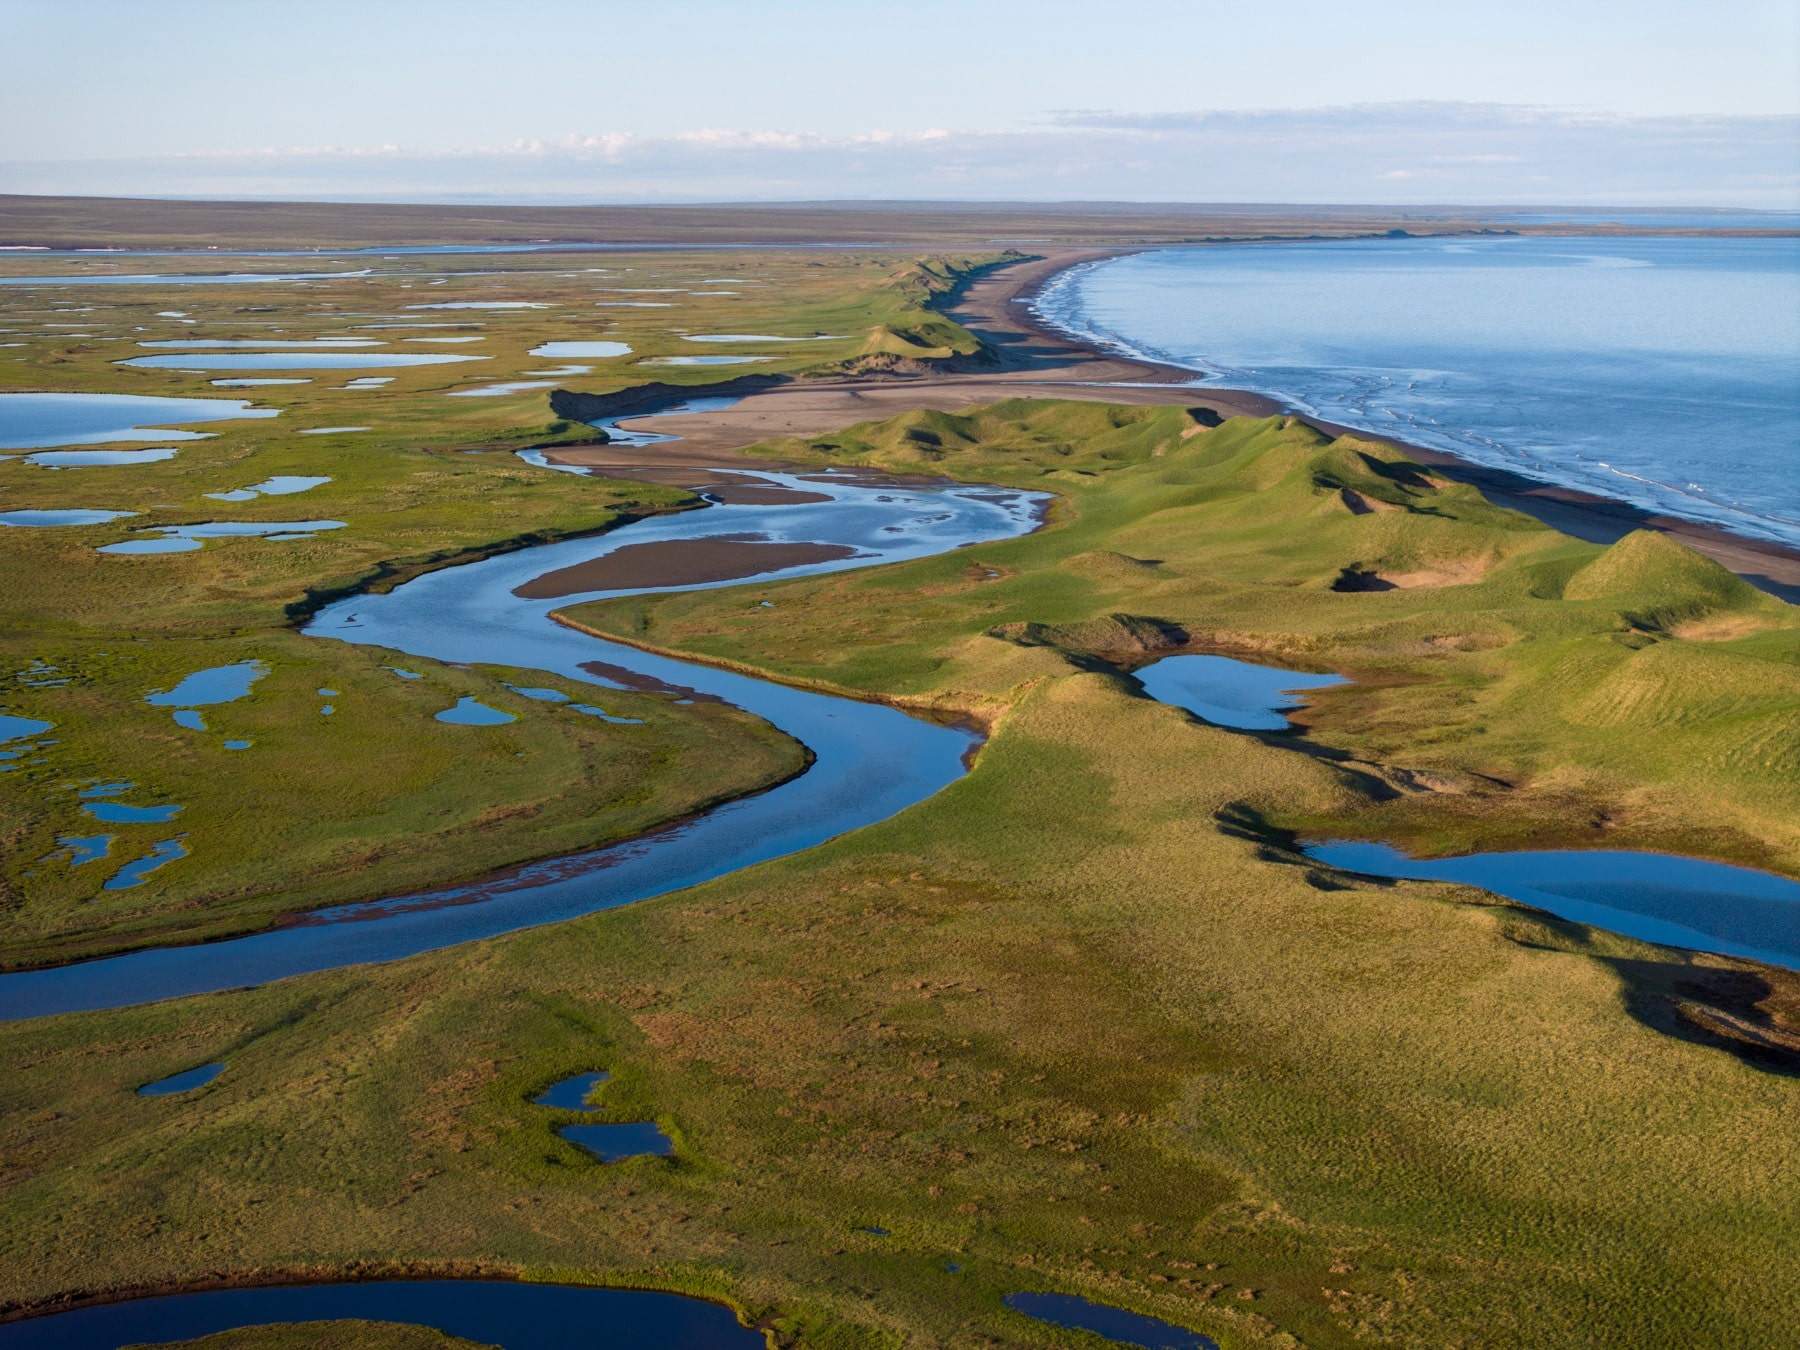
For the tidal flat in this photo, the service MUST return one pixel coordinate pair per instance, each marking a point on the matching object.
(1086, 1022)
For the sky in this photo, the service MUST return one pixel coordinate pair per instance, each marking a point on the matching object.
(1628, 102)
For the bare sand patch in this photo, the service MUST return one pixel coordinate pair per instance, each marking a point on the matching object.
(1460, 572)
(679, 562)
(1720, 627)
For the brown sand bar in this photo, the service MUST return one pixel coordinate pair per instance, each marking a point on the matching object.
(1032, 360)
(679, 562)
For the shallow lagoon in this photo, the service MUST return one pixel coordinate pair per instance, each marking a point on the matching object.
(39, 421)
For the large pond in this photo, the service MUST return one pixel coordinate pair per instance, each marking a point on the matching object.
(1115, 1324)
(34, 421)
(514, 1316)
(1656, 897)
(1231, 693)
(870, 760)
(319, 360)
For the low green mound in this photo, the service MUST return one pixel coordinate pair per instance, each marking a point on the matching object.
(1104, 562)
(1659, 582)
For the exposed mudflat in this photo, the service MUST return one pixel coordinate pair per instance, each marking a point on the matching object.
(679, 562)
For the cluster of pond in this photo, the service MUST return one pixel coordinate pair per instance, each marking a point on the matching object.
(204, 689)
(609, 1143)
(28, 421)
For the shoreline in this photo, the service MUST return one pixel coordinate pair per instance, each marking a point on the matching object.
(1029, 357)
(1769, 566)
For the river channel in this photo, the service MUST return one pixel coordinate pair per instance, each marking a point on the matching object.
(870, 761)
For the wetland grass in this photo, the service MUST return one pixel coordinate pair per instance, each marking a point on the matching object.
(1082, 1022)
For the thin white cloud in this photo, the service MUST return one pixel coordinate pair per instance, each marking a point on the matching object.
(1375, 153)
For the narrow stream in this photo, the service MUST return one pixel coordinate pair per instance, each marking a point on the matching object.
(871, 761)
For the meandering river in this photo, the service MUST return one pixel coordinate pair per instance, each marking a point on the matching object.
(870, 761)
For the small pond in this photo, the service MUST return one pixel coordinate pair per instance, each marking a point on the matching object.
(1655, 897)
(185, 1081)
(187, 538)
(485, 304)
(471, 712)
(220, 684)
(253, 383)
(703, 360)
(93, 459)
(332, 360)
(572, 1094)
(39, 421)
(616, 1143)
(758, 337)
(134, 873)
(1115, 1324)
(40, 519)
(85, 848)
(497, 390)
(514, 1316)
(281, 485)
(596, 349)
(14, 728)
(330, 431)
(609, 1143)
(1230, 693)
(118, 813)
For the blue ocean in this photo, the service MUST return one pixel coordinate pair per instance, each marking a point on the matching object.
(1662, 371)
